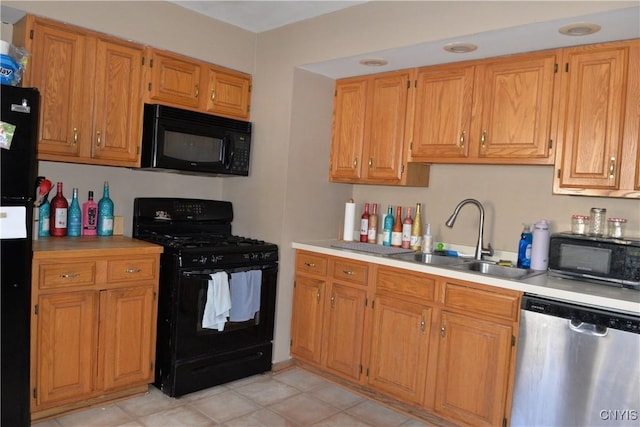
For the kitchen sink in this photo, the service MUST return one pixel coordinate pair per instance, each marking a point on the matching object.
(427, 258)
(491, 269)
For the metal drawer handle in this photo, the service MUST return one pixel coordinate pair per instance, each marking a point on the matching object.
(483, 139)
(75, 136)
(98, 139)
(133, 270)
(213, 95)
(69, 276)
(348, 273)
(461, 145)
(310, 264)
(612, 167)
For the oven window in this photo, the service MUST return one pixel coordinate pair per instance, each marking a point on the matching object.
(587, 259)
(192, 148)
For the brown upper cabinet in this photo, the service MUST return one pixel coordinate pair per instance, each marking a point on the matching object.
(91, 91)
(369, 131)
(92, 88)
(599, 121)
(496, 111)
(183, 82)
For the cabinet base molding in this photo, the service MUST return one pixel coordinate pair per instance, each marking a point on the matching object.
(93, 402)
(419, 414)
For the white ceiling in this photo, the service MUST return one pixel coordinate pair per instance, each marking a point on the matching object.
(259, 16)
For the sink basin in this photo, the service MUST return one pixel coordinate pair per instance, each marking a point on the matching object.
(491, 269)
(427, 258)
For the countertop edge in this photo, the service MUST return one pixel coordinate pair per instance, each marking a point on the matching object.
(70, 247)
(607, 297)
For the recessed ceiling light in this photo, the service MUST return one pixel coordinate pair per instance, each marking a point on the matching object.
(374, 62)
(581, 29)
(460, 47)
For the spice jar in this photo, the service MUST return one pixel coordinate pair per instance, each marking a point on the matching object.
(616, 227)
(597, 221)
(579, 224)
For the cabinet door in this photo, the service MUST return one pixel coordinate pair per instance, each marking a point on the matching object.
(344, 330)
(127, 322)
(58, 71)
(173, 79)
(442, 116)
(473, 370)
(306, 321)
(516, 95)
(117, 102)
(385, 126)
(591, 123)
(67, 327)
(399, 348)
(348, 129)
(228, 93)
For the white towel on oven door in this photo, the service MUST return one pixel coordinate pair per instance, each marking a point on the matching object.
(245, 295)
(216, 309)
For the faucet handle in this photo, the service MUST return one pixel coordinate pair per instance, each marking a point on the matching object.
(488, 251)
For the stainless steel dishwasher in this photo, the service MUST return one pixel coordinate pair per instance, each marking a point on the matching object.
(576, 366)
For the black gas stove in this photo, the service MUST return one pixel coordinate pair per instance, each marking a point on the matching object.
(198, 245)
(197, 232)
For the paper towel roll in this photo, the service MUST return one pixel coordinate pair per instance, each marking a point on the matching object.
(349, 221)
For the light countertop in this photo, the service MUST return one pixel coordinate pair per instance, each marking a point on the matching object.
(603, 296)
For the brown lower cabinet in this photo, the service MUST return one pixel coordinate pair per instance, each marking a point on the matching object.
(93, 322)
(437, 346)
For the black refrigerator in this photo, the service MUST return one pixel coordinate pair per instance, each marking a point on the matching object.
(18, 168)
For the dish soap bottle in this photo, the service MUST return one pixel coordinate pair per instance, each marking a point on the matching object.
(524, 247)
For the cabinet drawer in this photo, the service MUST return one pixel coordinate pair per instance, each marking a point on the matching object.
(311, 263)
(131, 270)
(405, 282)
(480, 301)
(351, 271)
(67, 274)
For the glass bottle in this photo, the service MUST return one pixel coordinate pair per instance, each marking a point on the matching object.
(58, 218)
(416, 230)
(44, 214)
(372, 232)
(74, 223)
(388, 227)
(105, 213)
(89, 216)
(364, 224)
(396, 231)
(407, 224)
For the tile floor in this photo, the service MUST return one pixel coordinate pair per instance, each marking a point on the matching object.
(290, 397)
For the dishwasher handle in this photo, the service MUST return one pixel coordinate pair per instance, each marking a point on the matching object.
(588, 328)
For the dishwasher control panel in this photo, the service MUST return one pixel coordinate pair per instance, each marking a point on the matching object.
(577, 313)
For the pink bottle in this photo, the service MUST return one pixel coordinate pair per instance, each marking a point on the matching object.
(89, 216)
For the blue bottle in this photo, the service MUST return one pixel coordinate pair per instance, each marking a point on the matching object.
(388, 227)
(105, 213)
(74, 216)
(44, 214)
(524, 247)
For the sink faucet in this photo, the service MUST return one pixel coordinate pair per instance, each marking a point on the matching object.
(480, 251)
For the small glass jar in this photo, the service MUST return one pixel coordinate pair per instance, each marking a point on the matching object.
(579, 224)
(616, 227)
(597, 221)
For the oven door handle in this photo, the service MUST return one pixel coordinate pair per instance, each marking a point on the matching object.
(206, 273)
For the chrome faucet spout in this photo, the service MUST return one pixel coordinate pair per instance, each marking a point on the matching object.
(480, 250)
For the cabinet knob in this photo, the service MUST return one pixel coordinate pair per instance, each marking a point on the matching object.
(355, 163)
(213, 95)
(370, 163)
(318, 296)
(333, 300)
(422, 324)
(197, 91)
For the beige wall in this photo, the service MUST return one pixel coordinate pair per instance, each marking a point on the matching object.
(288, 196)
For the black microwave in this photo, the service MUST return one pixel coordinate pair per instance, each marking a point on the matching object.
(177, 140)
(595, 259)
